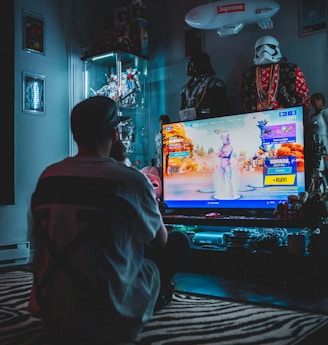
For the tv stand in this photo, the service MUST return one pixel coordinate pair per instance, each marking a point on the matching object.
(224, 220)
(245, 233)
(211, 255)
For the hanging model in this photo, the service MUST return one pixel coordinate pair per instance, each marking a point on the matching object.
(228, 17)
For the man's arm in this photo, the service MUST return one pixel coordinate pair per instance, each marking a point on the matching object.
(161, 237)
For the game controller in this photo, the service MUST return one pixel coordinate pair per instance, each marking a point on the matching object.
(213, 215)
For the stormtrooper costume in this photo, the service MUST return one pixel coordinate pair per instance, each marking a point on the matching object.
(272, 82)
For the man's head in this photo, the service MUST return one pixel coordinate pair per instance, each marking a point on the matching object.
(267, 51)
(92, 120)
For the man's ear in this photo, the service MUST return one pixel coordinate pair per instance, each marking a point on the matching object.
(114, 134)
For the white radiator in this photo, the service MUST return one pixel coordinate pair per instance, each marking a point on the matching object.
(14, 254)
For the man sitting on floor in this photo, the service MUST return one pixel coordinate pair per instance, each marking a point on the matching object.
(92, 219)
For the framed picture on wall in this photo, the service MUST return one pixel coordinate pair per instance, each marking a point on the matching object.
(312, 16)
(34, 93)
(33, 38)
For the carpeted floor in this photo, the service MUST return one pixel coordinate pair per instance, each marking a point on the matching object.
(190, 319)
(311, 297)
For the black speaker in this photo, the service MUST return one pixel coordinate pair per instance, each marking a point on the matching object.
(193, 41)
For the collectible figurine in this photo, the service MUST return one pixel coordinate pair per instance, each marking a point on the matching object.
(122, 88)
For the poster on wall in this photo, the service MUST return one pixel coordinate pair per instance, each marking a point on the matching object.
(312, 16)
(33, 33)
(33, 93)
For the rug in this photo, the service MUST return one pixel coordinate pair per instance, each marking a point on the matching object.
(189, 319)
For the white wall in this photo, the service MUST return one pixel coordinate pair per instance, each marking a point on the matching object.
(39, 140)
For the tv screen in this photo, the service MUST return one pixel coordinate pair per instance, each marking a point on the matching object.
(251, 161)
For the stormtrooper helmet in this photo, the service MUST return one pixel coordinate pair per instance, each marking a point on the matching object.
(267, 51)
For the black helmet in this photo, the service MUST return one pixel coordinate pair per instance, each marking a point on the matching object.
(91, 118)
(200, 65)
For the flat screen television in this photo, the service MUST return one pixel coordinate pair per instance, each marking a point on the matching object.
(236, 164)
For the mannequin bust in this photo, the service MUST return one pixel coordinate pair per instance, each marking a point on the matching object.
(272, 82)
(204, 95)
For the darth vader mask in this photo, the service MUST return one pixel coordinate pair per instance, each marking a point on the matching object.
(200, 65)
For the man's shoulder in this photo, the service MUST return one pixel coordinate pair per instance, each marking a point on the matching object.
(284, 63)
(50, 169)
(216, 82)
(107, 169)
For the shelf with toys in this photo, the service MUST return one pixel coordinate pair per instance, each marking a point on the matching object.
(122, 77)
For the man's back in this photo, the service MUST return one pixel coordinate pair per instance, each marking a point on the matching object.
(93, 216)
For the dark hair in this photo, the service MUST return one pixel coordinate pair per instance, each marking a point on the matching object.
(317, 96)
(92, 118)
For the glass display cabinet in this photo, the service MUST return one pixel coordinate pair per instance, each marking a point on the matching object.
(123, 77)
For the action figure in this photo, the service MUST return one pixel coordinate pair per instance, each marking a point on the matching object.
(129, 87)
(317, 138)
(319, 119)
(110, 89)
(122, 88)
